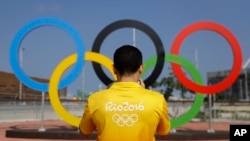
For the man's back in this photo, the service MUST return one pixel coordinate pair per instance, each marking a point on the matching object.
(126, 112)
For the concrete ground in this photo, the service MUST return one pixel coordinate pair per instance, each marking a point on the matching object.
(48, 124)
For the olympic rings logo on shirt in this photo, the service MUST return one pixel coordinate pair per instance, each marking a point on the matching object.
(98, 59)
(124, 119)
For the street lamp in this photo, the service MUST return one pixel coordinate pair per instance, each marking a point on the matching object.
(196, 58)
(100, 86)
(244, 68)
(21, 65)
(134, 37)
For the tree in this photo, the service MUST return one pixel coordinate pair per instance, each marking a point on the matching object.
(81, 94)
(167, 84)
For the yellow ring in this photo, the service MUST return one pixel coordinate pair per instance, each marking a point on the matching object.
(55, 78)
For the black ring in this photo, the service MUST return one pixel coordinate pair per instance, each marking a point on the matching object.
(133, 24)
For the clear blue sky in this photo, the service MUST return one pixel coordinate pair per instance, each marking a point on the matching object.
(45, 47)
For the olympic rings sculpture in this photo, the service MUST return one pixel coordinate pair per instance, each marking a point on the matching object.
(98, 59)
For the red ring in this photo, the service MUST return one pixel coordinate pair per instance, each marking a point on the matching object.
(235, 46)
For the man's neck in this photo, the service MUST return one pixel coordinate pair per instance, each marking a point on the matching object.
(129, 78)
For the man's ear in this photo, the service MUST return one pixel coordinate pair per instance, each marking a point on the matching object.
(141, 68)
(114, 70)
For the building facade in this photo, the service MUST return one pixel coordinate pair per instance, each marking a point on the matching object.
(239, 90)
(10, 88)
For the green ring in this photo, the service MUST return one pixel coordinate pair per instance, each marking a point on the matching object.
(199, 98)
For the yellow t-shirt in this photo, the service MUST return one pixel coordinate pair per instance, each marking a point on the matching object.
(125, 112)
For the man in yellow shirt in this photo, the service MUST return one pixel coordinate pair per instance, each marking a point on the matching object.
(126, 111)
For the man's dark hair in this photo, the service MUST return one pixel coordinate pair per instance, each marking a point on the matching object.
(127, 59)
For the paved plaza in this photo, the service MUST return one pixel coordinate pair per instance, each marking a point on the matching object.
(25, 117)
(196, 126)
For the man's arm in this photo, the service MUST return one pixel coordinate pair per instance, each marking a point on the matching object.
(86, 126)
(164, 123)
(141, 82)
(83, 134)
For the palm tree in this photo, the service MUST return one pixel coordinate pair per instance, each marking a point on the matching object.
(167, 84)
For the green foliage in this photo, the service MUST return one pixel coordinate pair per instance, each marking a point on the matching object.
(80, 94)
(167, 84)
(221, 96)
(200, 115)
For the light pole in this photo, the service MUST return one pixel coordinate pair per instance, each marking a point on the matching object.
(83, 82)
(246, 76)
(246, 84)
(21, 65)
(134, 37)
(196, 58)
(210, 129)
(100, 86)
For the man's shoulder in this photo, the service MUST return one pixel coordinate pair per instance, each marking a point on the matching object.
(98, 94)
(154, 93)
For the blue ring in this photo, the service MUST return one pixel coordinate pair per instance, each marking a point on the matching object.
(46, 21)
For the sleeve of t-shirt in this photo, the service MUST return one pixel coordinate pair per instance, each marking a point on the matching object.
(86, 126)
(164, 123)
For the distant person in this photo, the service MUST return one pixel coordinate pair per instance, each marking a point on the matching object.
(126, 111)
